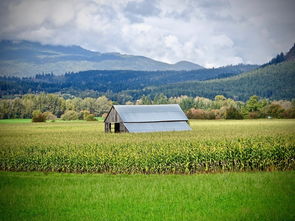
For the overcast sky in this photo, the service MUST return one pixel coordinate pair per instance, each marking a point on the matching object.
(210, 33)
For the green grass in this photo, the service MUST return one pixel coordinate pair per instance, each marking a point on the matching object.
(16, 121)
(228, 196)
(212, 146)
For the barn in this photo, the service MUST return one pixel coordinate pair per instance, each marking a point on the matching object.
(146, 118)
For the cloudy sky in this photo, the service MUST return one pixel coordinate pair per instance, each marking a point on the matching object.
(207, 32)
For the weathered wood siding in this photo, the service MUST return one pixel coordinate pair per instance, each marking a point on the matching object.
(113, 117)
(123, 128)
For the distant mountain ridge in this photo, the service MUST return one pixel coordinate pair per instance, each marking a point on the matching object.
(25, 58)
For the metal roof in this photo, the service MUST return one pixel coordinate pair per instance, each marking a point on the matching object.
(150, 113)
(157, 127)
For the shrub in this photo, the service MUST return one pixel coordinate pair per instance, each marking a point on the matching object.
(70, 115)
(273, 110)
(50, 116)
(253, 115)
(82, 115)
(233, 113)
(38, 116)
(217, 113)
(290, 113)
(211, 115)
(90, 117)
(196, 114)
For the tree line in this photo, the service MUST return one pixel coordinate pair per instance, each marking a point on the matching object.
(51, 106)
(23, 107)
(226, 108)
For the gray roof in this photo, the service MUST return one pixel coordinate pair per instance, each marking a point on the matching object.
(150, 113)
(157, 127)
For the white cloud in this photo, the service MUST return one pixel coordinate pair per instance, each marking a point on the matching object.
(210, 33)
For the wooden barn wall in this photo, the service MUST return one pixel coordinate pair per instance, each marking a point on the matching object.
(123, 128)
(113, 117)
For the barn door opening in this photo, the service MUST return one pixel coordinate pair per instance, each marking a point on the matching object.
(117, 127)
(108, 127)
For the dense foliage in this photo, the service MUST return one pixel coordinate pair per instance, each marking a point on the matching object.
(99, 82)
(38, 116)
(54, 106)
(57, 105)
(211, 146)
(273, 82)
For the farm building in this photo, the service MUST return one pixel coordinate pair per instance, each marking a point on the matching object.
(146, 118)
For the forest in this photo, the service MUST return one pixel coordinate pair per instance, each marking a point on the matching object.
(101, 82)
(274, 82)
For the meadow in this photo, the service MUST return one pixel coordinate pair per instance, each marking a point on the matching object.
(217, 171)
(212, 146)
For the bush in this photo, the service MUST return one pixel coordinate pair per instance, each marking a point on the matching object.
(211, 115)
(273, 110)
(290, 113)
(50, 116)
(201, 114)
(196, 114)
(233, 113)
(253, 115)
(218, 113)
(90, 117)
(38, 116)
(70, 115)
(82, 115)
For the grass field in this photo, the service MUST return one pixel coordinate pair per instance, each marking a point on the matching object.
(227, 196)
(212, 146)
(17, 121)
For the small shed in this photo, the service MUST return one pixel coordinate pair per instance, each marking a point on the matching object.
(146, 118)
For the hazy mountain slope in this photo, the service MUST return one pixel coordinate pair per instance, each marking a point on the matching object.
(290, 56)
(26, 58)
(281, 57)
(274, 81)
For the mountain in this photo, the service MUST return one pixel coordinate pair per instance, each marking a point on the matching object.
(25, 58)
(185, 65)
(112, 81)
(290, 56)
(273, 81)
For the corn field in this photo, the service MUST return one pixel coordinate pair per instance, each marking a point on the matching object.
(212, 146)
